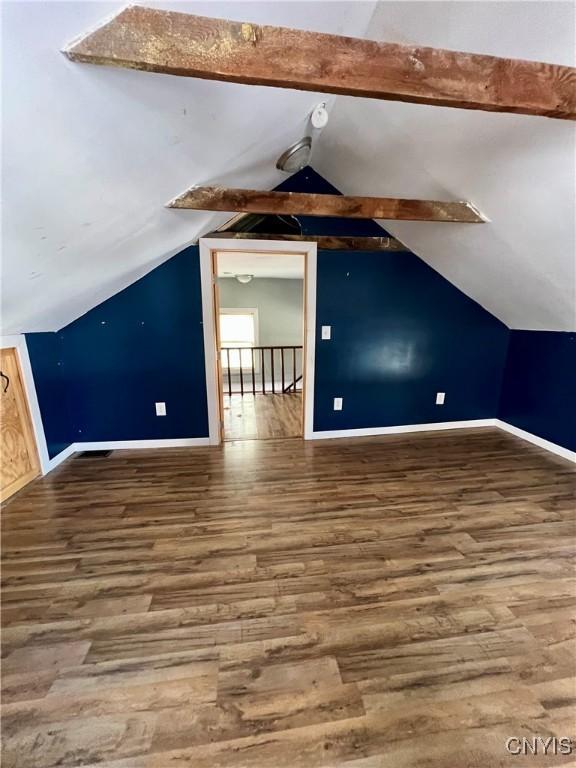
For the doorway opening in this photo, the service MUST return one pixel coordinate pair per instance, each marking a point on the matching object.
(259, 303)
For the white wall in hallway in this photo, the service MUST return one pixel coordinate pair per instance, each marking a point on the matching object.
(280, 305)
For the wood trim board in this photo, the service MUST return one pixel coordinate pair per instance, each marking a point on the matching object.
(324, 242)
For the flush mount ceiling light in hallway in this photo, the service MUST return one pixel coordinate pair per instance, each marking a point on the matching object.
(297, 156)
(244, 278)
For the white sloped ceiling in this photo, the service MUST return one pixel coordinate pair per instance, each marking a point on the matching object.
(518, 170)
(91, 155)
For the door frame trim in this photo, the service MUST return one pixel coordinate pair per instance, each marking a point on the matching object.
(207, 246)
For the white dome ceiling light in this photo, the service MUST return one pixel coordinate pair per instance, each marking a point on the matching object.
(244, 278)
(297, 156)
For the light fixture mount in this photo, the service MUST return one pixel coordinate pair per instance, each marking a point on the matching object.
(296, 156)
(319, 116)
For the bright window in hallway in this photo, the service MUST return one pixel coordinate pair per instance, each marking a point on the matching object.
(238, 329)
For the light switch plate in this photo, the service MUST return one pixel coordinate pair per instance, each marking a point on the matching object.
(440, 397)
(326, 332)
(160, 409)
(337, 403)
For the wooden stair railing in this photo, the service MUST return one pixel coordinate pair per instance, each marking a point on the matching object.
(247, 367)
(292, 384)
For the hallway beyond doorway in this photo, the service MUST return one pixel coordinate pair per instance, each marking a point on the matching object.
(260, 417)
(259, 301)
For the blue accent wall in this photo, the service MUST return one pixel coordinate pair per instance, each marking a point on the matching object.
(143, 345)
(46, 352)
(539, 389)
(400, 333)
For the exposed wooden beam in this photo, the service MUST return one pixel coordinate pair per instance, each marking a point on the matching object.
(325, 242)
(304, 204)
(216, 49)
(238, 220)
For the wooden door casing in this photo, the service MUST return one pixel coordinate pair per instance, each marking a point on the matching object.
(19, 462)
(216, 302)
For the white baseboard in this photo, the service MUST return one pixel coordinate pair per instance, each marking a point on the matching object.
(565, 453)
(115, 445)
(59, 458)
(404, 428)
(558, 450)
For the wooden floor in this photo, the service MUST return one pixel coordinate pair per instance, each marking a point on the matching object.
(395, 602)
(261, 417)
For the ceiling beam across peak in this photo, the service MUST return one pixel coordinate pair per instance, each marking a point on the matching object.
(182, 44)
(324, 242)
(306, 204)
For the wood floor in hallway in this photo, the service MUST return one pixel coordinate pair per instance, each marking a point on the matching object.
(395, 602)
(262, 417)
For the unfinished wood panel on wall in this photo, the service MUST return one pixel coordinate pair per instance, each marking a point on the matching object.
(19, 458)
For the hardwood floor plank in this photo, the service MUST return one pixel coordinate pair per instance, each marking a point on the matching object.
(83, 739)
(237, 717)
(262, 417)
(49, 657)
(369, 603)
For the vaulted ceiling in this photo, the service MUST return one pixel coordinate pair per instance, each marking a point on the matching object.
(92, 154)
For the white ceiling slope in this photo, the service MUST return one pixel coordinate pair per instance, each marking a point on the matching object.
(92, 154)
(519, 170)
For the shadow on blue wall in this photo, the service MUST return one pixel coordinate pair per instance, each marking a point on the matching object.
(538, 393)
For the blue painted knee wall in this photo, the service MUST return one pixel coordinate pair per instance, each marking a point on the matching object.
(144, 345)
(46, 351)
(400, 334)
(539, 388)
